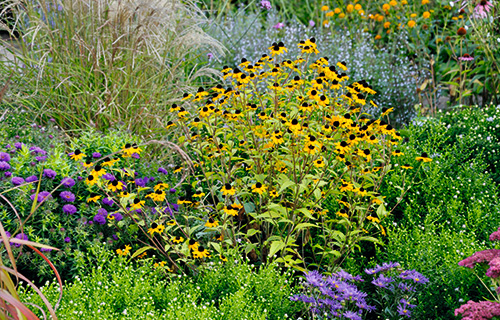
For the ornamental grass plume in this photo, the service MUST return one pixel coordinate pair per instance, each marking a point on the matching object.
(112, 61)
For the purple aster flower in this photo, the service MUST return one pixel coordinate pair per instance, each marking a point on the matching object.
(67, 196)
(265, 4)
(51, 136)
(38, 150)
(18, 145)
(406, 287)
(31, 179)
(79, 178)
(303, 298)
(311, 23)
(173, 190)
(7, 233)
(382, 281)
(4, 166)
(135, 155)
(495, 236)
(314, 278)
(109, 177)
(42, 196)
(17, 181)
(162, 170)
(7, 174)
(344, 275)
(279, 25)
(41, 158)
(96, 155)
(69, 209)
(115, 237)
(351, 315)
(4, 156)
(20, 236)
(67, 239)
(45, 249)
(108, 201)
(414, 275)
(49, 173)
(404, 308)
(100, 219)
(118, 216)
(68, 182)
(102, 211)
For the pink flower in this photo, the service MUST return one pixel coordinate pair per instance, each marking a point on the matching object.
(494, 269)
(482, 9)
(479, 257)
(495, 236)
(482, 310)
(311, 23)
(279, 25)
(210, 55)
(466, 57)
(265, 4)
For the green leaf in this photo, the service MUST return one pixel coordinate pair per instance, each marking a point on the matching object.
(275, 247)
(251, 232)
(382, 211)
(141, 250)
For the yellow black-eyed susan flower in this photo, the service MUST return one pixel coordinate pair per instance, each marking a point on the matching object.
(91, 180)
(258, 188)
(192, 244)
(273, 193)
(373, 219)
(77, 155)
(161, 186)
(93, 197)
(198, 194)
(170, 124)
(277, 48)
(109, 162)
(183, 200)
(158, 195)
(222, 258)
(342, 65)
(397, 153)
(230, 210)
(424, 158)
(137, 204)
(228, 189)
(342, 213)
(156, 228)
(346, 186)
(125, 251)
(200, 252)
(177, 239)
(211, 223)
(342, 147)
(177, 169)
(98, 171)
(88, 163)
(171, 222)
(319, 163)
(361, 191)
(386, 111)
(116, 185)
(344, 201)
(406, 167)
(124, 194)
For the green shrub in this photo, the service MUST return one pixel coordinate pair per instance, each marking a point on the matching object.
(116, 289)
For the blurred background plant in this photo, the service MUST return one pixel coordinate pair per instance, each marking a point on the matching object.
(103, 63)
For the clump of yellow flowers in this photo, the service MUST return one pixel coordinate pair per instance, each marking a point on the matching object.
(280, 141)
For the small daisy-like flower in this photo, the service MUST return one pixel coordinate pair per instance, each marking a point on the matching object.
(177, 239)
(424, 158)
(77, 155)
(228, 189)
(211, 223)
